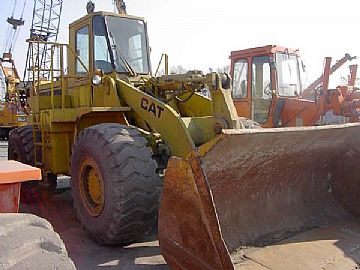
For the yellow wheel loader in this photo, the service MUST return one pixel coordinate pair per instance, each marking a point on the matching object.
(232, 198)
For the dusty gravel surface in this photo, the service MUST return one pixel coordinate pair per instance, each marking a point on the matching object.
(86, 254)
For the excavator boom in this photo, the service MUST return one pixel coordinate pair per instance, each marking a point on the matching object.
(309, 91)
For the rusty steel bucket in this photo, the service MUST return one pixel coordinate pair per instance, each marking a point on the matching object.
(264, 199)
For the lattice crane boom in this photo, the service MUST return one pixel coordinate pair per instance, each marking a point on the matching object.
(44, 27)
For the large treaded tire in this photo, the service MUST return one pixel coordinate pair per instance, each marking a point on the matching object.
(21, 145)
(29, 242)
(131, 186)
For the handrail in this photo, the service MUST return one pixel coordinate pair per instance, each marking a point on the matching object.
(36, 69)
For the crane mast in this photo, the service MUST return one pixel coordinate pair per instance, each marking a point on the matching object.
(14, 23)
(44, 27)
(8, 74)
(12, 100)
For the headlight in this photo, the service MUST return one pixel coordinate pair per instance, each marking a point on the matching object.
(96, 80)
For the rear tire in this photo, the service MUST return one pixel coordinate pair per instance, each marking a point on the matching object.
(21, 145)
(115, 187)
(29, 242)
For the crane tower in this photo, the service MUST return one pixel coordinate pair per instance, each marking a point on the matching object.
(44, 27)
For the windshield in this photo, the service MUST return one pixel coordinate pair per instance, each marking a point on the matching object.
(288, 74)
(129, 44)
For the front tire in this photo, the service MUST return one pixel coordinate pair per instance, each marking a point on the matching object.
(115, 187)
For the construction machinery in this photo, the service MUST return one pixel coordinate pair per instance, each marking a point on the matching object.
(226, 191)
(268, 88)
(12, 98)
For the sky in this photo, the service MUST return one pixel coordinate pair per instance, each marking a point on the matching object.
(200, 34)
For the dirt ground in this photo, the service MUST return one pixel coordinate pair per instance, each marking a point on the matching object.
(85, 253)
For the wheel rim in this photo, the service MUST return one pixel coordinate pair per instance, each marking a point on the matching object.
(92, 187)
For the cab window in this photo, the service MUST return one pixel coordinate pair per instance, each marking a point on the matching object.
(82, 49)
(240, 79)
(102, 59)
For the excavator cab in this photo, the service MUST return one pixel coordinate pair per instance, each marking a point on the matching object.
(268, 87)
(261, 73)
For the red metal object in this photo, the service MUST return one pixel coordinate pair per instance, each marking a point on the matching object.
(12, 173)
(9, 198)
(326, 75)
(352, 77)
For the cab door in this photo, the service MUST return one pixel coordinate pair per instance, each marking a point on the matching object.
(241, 93)
(261, 89)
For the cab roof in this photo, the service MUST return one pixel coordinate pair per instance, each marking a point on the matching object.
(102, 13)
(264, 50)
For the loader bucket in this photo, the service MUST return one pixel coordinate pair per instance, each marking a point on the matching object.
(265, 199)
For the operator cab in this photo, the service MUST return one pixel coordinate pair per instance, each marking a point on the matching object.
(259, 74)
(111, 43)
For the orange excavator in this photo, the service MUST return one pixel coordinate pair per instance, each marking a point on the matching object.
(268, 88)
